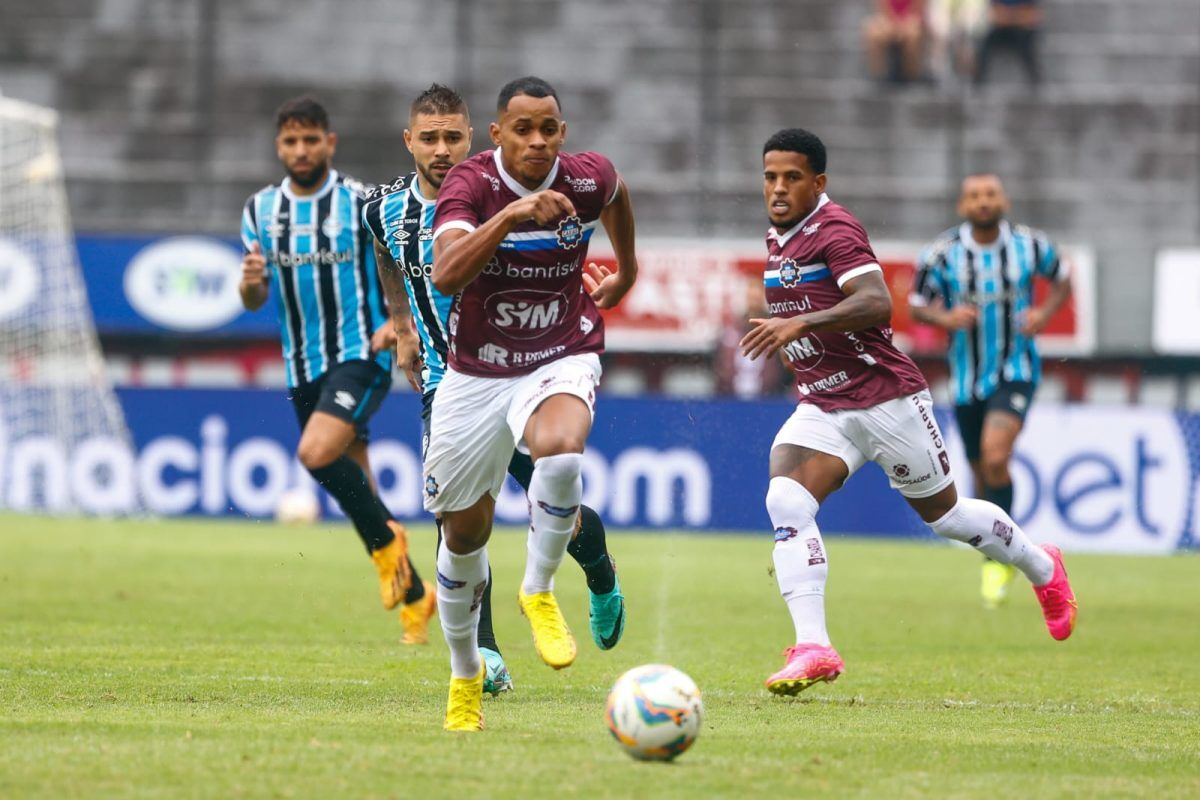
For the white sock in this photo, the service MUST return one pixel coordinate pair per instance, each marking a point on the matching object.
(461, 580)
(989, 530)
(555, 492)
(801, 566)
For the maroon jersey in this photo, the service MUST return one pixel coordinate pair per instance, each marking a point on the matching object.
(528, 306)
(806, 267)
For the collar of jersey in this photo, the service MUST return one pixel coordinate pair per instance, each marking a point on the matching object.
(517, 188)
(968, 240)
(414, 188)
(330, 180)
(783, 238)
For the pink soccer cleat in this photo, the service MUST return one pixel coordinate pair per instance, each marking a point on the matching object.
(1057, 599)
(806, 664)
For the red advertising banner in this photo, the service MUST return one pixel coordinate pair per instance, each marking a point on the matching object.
(686, 288)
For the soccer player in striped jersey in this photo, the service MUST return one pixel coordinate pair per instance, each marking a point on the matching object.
(305, 236)
(976, 281)
(400, 217)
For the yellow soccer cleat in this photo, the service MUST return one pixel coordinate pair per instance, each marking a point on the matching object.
(464, 708)
(994, 585)
(551, 637)
(414, 617)
(391, 562)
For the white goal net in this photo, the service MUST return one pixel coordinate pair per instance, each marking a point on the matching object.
(64, 445)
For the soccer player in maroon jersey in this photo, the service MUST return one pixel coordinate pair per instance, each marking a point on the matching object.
(861, 400)
(510, 243)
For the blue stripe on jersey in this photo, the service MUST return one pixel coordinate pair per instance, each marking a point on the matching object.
(402, 221)
(328, 296)
(542, 243)
(771, 277)
(998, 280)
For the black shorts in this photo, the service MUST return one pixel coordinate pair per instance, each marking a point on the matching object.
(350, 391)
(520, 466)
(1011, 397)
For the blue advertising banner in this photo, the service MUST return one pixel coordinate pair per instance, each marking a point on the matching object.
(152, 284)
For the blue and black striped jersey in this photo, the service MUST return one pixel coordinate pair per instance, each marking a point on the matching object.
(401, 220)
(998, 280)
(321, 259)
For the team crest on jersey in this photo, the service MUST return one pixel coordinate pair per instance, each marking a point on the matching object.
(789, 273)
(332, 227)
(570, 232)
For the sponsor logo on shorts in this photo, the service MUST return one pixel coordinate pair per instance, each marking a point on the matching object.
(945, 461)
(1003, 531)
(784, 532)
(562, 512)
(816, 553)
(974, 541)
(570, 232)
(900, 470)
(431, 486)
(344, 399)
(932, 429)
(449, 584)
(1019, 402)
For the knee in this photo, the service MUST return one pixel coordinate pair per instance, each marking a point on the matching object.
(994, 467)
(789, 504)
(314, 454)
(560, 443)
(466, 531)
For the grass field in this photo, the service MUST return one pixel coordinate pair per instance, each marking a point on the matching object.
(200, 659)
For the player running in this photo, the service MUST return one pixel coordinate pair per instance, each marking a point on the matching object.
(304, 235)
(400, 217)
(976, 281)
(861, 400)
(510, 241)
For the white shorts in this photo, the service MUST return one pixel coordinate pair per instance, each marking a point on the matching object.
(900, 435)
(476, 423)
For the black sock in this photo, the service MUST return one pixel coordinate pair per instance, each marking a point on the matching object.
(487, 635)
(1001, 496)
(416, 589)
(590, 550)
(346, 481)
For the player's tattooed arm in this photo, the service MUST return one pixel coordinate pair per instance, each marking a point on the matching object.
(605, 287)
(398, 331)
(868, 303)
(459, 256)
(253, 288)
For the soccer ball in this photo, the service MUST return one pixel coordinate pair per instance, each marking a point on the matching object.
(297, 507)
(654, 712)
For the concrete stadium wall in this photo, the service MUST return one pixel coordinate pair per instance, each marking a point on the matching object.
(167, 103)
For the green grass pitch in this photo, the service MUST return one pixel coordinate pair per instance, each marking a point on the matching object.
(201, 659)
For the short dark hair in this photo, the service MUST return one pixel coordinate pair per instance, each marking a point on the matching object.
(305, 109)
(438, 99)
(529, 85)
(798, 140)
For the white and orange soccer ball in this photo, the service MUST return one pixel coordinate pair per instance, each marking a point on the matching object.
(654, 712)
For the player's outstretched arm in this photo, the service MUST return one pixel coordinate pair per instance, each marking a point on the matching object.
(867, 304)
(253, 288)
(459, 256)
(608, 288)
(399, 326)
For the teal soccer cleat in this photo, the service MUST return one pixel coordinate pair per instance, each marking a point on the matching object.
(608, 617)
(495, 675)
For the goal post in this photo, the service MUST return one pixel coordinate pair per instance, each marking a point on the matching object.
(64, 444)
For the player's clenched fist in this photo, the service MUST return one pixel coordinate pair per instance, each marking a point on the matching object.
(542, 207)
(254, 267)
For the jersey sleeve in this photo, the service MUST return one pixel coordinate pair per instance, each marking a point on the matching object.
(249, 225)
(848, 252)
(926, 286)
(458, 203)
(1048, 261)
(373, 222)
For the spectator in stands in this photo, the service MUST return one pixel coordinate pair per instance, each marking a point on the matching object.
(954, 28)
(895, 40)
(737, 375)
(1014, 25)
